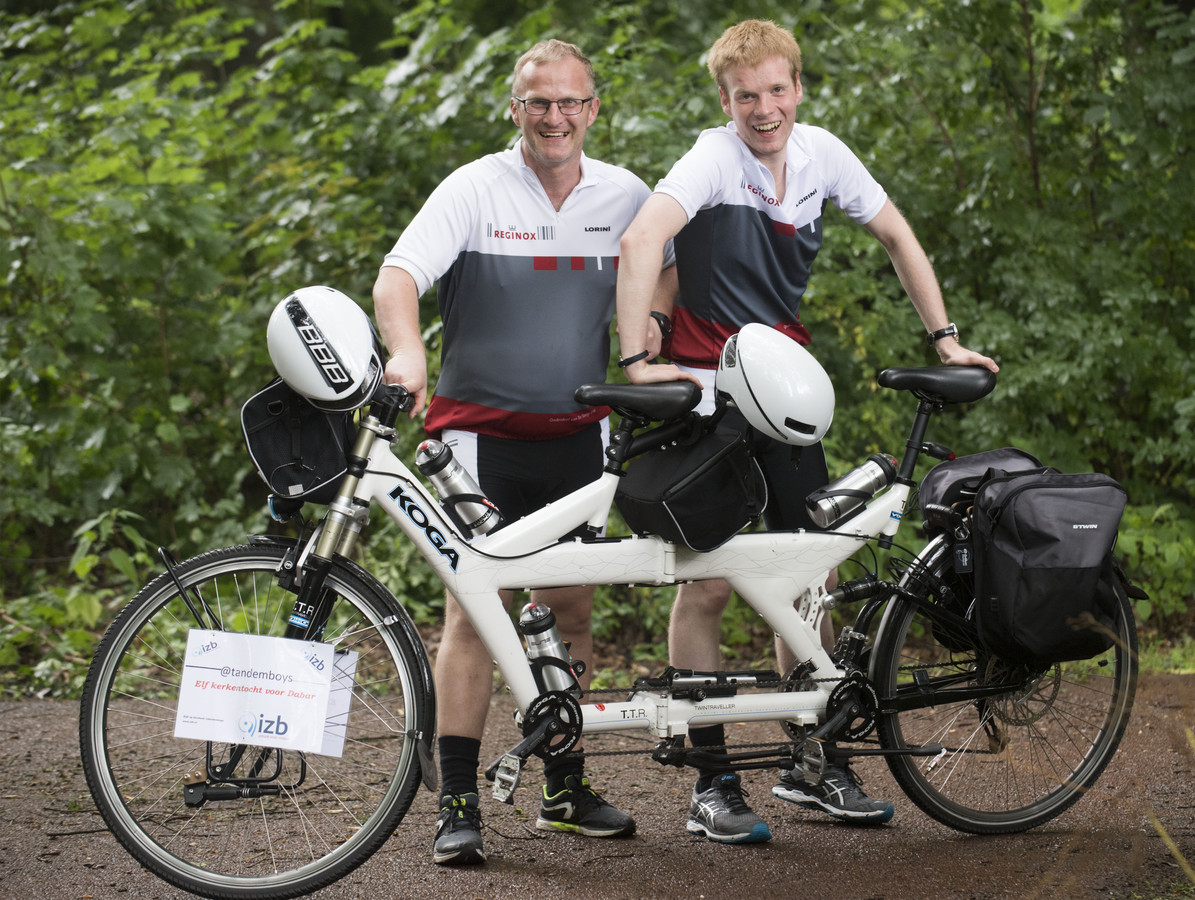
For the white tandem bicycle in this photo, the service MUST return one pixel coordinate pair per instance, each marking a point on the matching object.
(983, 745)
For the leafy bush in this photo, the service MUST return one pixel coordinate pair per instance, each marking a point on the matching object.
(171, 170)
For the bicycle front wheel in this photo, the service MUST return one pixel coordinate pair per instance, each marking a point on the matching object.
(268, 823)
(1019, 746)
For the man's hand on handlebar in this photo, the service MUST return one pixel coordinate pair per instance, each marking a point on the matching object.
(409, 370)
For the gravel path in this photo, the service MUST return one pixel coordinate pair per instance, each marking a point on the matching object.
(1134, 837)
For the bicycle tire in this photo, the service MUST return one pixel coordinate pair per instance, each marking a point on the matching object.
(1009, 762)
(330, 813)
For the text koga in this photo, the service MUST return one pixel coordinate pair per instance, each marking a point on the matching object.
(416, 514)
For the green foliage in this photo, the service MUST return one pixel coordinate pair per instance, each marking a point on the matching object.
(1155, 544)
(169, 170)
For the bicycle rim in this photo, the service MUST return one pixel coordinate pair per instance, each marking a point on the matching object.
(328, 814)
(1009, 762)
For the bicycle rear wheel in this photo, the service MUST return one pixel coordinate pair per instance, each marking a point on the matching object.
(315, 817)
(1012, 759)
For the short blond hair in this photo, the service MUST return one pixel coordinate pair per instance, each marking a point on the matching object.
(750, 43)
(550, 51)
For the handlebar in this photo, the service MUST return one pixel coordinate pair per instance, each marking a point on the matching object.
(389, 400)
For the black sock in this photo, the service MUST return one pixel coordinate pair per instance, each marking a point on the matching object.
(709, 736)
(459, 761)
(557, 769)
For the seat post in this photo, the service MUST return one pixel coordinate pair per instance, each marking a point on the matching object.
(916, 442)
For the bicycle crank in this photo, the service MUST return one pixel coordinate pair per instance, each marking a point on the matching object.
(551, 727)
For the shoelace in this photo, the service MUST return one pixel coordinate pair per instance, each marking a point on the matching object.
(586, 798)
(733, 795)
(853, 779)
(460, 812)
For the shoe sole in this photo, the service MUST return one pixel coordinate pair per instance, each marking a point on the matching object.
(876, 817)
(548, 825)
(460, 858)
(756, 835)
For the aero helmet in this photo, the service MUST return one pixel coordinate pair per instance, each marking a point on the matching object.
(324, 346)
(777, 385)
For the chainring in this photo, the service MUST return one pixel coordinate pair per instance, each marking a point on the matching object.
(855, 689)
(566, 710)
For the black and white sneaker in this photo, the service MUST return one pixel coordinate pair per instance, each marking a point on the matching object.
(458, 831)
(580, 809)
(839, 794)
(721, 814)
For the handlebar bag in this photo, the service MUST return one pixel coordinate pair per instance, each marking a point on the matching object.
(1045, 580)
(299, 451)
(952, 484)
(699, 494)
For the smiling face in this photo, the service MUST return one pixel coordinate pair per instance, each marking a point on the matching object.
(553, 140)
(762, 100)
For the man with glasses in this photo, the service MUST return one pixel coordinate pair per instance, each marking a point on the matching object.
(524, 245)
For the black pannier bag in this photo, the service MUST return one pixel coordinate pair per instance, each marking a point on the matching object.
(699, 494)
(1045, 578)
(299, 451)
(951, 485)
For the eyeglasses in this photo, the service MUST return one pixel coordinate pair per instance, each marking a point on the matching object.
(537, 106)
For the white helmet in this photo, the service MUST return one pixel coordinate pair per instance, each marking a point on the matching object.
(324, 346)
(777, 385)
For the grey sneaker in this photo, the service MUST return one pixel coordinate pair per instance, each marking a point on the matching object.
(839, 794)
(458, 831)
(722, 815)
(580, 809)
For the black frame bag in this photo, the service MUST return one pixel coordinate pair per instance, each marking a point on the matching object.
(1045, 579)
(699, 494)
(299, 451)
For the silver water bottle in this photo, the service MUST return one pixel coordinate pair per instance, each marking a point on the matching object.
(450, 479)
(843, 496)
(538, 624)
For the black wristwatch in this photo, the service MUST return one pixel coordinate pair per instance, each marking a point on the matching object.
(664, 322)
(950, 330)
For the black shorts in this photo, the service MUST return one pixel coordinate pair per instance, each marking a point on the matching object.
(520, 477)
(791, 474)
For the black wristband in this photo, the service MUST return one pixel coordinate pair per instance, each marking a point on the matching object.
(631, 360)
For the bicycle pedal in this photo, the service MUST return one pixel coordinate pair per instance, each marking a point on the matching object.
(813, 761)
(506, 777)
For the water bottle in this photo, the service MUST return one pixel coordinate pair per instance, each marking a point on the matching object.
(450, 479)
(538, 624)
(840, 498)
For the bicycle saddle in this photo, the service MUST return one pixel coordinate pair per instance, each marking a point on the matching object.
(654, 402)
(952, 384)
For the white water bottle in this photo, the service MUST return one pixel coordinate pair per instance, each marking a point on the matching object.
(450, 479)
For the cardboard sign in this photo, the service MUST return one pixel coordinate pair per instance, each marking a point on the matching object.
(265, 691)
